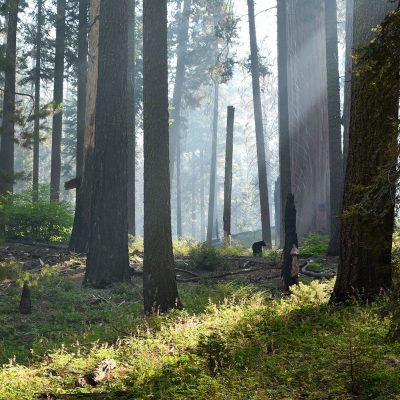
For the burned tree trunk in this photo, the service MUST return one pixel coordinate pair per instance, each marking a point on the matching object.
(290, 241)
(228, 177)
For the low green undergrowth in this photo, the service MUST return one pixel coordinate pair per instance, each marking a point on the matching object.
(314, 245)
(41, 220)
(232, 341)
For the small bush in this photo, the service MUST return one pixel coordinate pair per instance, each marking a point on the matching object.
(206, 258)
(42, 220)
(314, 245)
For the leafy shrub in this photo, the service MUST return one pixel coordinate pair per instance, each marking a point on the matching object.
(314, 245)
(206, 257)
(42, 220)
(314, 293)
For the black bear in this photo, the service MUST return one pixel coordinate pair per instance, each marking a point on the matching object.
(257, 248)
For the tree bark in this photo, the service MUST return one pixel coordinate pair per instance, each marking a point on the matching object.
(178, 189)
(58, 97)
(335, 129)
(213, 170)
(181, 53)
(82, 83)
(228, 177)
(202, 201)
(277, 199)
(131, 120)
(82, 220)
(8, 124)
(159, 281)
(261, 162)
(347, 83)
(107, 260)
(366, 236)
(284, 139)
(36, 125)
(290, 241)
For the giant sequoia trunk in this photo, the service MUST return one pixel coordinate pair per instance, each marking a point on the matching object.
(308, 114)
(58, 102)
(284, 139)
(8, 125)
(107, 259)
(159, 282)
(335, 129)
(366, 234)
(36, 123)
(82, 220)
(131, 120)
(82, 82)
(261, 162)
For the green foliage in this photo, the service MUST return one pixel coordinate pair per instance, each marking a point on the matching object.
(40, 220)
(314, 267)
(204, 257)
(240, 344)
(314, 245)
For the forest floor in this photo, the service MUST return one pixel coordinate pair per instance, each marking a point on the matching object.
(237, 337)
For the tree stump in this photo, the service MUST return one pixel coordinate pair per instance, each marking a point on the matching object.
(25, 305)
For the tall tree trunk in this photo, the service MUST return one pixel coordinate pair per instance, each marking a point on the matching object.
(366, 235)
(347, 83)
(159, 281)
(58, 97)
(213, 170)
(178, 190)
(228, 176)
(82, 82)
(181, 52)
(335, 129)
(36, 125)
(202, 200)
(261, 162)
(108, 260)
(132, 120)
(82, 220)
(277, 200)
(193, 193)
(284, 139)
(8, 124)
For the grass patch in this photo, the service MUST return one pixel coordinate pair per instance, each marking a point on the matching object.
(231, 342)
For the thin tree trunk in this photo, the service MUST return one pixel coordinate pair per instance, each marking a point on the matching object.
(193, 193)
(347, 83)
(36, 127)
(8, 124)
(178, 190)
(181, 52)
(202, 202)
(213, 170)
(335, 130)
(159, 281)
(58, 98)
(82, 220)
(228, 177)
(82, 83)
(131, 120)
(284, 140)
(107, 260)
(261, 162)
(366, 236)
(277, 200)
